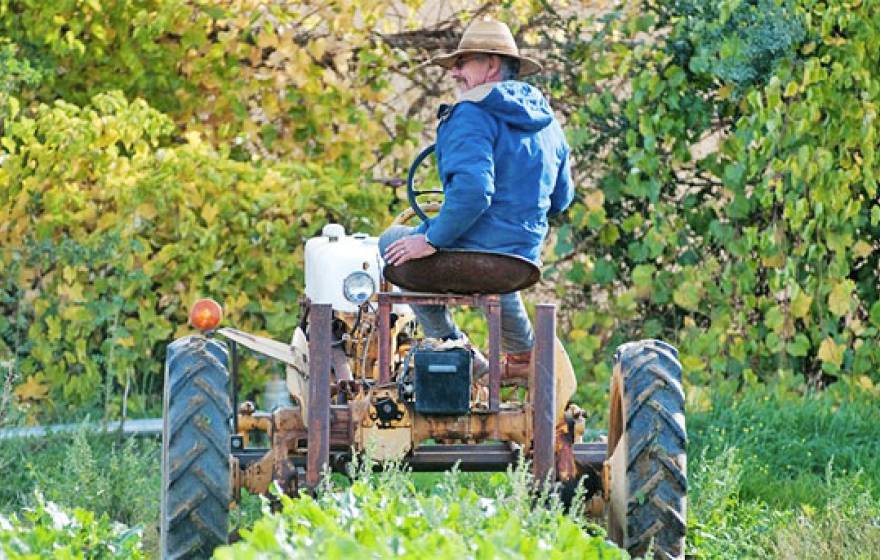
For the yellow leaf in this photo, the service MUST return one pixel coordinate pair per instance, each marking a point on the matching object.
(266, 39)
(692, 363)
(594, 199)
(8, 143)
(69, 274)
(31, 390)
(862, 249)
(866, 383)
(855, 326)
(126, 342)
(73, 313)
(147, 211)
(774, 261)
(840, 297)
(73, 292)
(831, 352)
(209, 213)
(800, 304)
(317, 48)
(577, 334)
(531, 38)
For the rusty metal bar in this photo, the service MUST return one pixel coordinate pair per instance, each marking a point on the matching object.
(415, 298)
(341, 427)
(544, 394)
(490, 457)
(591, 454)
(493, 316)
(319, 393)
(384, 337)
(469, 458)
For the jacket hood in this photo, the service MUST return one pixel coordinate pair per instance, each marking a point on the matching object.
(519, 104)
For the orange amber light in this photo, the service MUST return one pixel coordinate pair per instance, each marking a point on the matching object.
(205, 314)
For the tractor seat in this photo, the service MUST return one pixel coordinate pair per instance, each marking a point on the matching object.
(465, 273)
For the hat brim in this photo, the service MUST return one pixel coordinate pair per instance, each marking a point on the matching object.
(527, 66)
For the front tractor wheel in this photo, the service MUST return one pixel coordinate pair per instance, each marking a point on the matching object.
(647, 446)
(195, 449)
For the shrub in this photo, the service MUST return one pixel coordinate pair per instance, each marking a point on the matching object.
(112, 230)
(50, 531)
(385, 516)
(728, 199)
(95, 472)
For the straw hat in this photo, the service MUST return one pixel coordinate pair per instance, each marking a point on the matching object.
(488, 36)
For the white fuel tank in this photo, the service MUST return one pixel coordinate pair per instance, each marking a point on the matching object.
(342, 270)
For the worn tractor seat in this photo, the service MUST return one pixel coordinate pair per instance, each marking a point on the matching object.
(465, 273)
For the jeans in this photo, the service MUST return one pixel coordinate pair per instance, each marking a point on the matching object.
(436, 320)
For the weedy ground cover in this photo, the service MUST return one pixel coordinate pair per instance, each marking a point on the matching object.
(772, 475)
(388, 516)
(775, 475)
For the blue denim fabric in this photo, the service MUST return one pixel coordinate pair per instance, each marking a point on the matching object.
(437, 322)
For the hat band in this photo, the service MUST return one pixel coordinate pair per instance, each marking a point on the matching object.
(487, 42)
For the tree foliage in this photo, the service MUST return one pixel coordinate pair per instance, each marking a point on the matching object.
(159, 150)
(730, 186)
(156, 150)
(110, 231)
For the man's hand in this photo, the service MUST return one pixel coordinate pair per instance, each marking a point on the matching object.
(408, 248)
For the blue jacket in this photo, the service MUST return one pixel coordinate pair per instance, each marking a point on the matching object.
(504, 164)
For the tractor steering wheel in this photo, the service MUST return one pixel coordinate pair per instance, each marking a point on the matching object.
(412, 193)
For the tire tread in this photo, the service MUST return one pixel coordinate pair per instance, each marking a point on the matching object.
(657, 446)
(195, 449)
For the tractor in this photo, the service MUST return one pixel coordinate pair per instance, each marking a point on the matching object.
(359, 377)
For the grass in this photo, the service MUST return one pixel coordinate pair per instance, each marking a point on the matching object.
(772, 476)
(102, 474)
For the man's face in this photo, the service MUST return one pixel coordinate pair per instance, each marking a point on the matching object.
(472, 70)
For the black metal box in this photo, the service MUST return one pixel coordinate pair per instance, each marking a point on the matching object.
(443, 381)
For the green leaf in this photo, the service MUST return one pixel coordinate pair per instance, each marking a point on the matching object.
(774, 319)
(687, 295)
(642, 275)
(798, 347)
(604, 272)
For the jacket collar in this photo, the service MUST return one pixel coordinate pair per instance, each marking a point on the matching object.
(478, 93)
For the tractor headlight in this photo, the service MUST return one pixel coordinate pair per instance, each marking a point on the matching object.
(358, 287)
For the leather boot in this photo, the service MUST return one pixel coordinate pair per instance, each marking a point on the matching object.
(516, 369)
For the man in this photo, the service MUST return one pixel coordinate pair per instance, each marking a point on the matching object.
(503, 161)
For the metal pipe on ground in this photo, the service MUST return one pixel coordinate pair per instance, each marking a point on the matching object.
(136, 427)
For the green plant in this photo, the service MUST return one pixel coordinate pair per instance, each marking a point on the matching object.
(777, 474)
(847, 526)
(384, 515)
(47, 530)
(114, 230)
(99, 473)
(721, 522)
(726, 153)
(16, 72)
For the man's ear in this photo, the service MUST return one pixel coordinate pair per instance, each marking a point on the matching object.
(495, 64)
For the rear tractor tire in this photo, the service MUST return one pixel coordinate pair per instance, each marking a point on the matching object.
(196, 490)
(647, 447)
